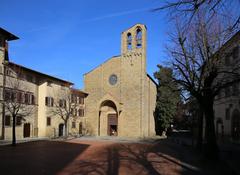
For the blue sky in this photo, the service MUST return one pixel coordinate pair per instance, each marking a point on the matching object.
(67, 38)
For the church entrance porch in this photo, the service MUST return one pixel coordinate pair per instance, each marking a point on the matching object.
(108, 119)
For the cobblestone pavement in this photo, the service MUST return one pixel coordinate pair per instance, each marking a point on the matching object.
(101, 156)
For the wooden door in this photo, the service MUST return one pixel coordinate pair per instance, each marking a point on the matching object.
(112, 124)
(60, 130)
(26, 130)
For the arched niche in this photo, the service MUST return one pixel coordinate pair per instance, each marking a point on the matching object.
(108, 119)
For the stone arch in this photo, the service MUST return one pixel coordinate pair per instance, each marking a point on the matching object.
(235, 125)
(129, 41)
(108, 119)
(138, 37)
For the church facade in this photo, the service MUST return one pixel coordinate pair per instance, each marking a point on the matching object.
(122, 96)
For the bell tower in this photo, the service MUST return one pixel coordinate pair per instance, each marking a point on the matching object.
(134, 39)
(133, 45)
(133, 75)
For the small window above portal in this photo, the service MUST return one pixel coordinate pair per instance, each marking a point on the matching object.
(129, 41)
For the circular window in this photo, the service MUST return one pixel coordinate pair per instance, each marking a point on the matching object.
(113, 79)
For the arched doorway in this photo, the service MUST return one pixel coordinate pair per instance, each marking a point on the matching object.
(26, 130)
(108, 119)
(236, 125)
(60, 129)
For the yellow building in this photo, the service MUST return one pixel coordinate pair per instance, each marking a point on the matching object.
(37, 96)
(122, 95)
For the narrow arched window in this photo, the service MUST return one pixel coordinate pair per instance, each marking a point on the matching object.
(139, 38)
(129, 41)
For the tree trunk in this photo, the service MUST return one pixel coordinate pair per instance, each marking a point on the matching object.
(200, 130)
(211, 147)
(14, 131)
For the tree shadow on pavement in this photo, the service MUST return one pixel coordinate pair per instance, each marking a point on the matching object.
(128, 158)
(39, 157)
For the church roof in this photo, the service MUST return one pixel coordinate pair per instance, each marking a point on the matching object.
(102, 64)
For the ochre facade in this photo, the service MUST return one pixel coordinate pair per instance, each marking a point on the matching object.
(30, 90)
(122, 96)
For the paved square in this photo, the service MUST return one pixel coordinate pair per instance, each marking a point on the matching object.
(90, 157)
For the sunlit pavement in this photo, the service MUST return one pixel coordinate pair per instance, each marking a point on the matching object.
(100, 156)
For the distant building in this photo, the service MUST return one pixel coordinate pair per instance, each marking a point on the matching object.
(227, 102)
(122, 96)
(39, 91)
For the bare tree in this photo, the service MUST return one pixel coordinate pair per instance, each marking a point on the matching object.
(197, 60)
(18, 102)
(227, 10)
(65, 107)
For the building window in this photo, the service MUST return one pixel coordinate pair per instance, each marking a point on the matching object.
(81, 100)
(18, 120)
(19, 97)
(129, 41)
(139, 38)
(49, 101)
(7, 95)
(8, 72)
(10, 95)
(81, 112)
(48, 121)
(26, 99)
(32, 99)
(7, 120)
(73, 98)
(227, 113)
(62, 103)
(73, 124)
(29, 99)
